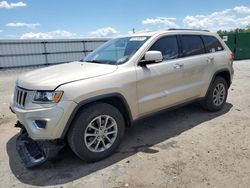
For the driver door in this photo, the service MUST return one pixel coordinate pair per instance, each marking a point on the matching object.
(157, 83)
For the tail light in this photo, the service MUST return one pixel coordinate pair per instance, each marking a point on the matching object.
(232, 57)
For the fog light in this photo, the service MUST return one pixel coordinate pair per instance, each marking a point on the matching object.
(41, 124)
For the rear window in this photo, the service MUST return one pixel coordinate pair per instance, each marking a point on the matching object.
(192, 45)
(212, 44)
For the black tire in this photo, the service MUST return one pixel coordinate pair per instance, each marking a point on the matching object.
(208, 103)
(76, 135)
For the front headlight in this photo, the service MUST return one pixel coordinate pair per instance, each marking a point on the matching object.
(47, 96)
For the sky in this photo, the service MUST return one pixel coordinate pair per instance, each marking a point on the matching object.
(40, 19)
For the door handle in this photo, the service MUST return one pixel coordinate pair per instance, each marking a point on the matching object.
(178, 66)
(210, 59)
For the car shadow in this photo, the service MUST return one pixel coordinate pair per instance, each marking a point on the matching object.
(142, 136)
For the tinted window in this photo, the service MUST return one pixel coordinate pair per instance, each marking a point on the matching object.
(212, 44)
(192, 45)
(168, 47)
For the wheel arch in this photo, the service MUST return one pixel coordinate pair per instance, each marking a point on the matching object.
(224, 73)
(115, 99)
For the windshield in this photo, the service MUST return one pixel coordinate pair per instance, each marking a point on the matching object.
(116, 51)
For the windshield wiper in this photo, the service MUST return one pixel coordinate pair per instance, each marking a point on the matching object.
(94, 61)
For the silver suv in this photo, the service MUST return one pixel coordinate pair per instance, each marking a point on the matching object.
(89, 103)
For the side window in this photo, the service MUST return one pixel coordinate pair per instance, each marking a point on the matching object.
(192, 45)
(212, 44)
(167, 46)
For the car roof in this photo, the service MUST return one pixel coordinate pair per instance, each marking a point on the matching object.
(173, 31)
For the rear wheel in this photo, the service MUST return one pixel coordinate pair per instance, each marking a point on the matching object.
(217, 95)
(96, 132)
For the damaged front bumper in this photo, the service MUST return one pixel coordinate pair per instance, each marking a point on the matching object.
(34, 153)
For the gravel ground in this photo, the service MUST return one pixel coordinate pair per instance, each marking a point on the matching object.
(186, 147)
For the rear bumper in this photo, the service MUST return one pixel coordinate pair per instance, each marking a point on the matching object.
(34, 153)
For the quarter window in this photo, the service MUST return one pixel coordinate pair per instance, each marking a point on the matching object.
(167, 46)
(212, 44)
(192, 45)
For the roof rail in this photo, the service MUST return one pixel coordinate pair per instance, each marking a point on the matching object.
(172, 29)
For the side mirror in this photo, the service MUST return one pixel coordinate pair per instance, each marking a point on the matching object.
(151, 57)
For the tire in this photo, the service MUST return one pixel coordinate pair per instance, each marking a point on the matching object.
(209, 102)
(84, 132)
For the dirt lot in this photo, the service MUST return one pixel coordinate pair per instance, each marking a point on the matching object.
(186, 147)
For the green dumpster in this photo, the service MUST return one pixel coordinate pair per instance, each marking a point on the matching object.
(239, 44)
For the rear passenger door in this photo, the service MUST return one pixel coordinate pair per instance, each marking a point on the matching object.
(215, 55)
(194, 63)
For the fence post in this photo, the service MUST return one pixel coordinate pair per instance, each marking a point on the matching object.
(84, 48)
(45, 52)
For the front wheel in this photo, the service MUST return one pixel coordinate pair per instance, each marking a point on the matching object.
(217, 95)
(96, 132)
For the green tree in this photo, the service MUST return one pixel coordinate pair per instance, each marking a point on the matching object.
(247, 29)
(237, 30)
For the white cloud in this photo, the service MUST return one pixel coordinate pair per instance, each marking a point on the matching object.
(242, 9)
(105, 32)
(57, 34)
(1, 31)
(226, 19)
(165, 21)
(5, 4)
(18, 24)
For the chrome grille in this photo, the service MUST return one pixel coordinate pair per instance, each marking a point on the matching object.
(20, 97)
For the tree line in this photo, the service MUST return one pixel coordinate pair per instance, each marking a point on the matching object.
(238, 30)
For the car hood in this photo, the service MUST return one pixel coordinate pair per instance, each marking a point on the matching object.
(51, 77)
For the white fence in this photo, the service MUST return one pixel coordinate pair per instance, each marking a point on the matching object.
(18, 53)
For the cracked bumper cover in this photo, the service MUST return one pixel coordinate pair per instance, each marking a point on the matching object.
(34, 153)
